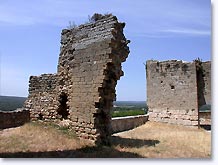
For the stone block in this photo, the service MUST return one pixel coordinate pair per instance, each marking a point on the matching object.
(173, 121)
(192, 118)
(194, 123)
(187, 122)
(186, 117)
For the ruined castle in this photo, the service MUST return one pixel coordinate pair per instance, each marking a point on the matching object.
(83, 89)
(176, 90)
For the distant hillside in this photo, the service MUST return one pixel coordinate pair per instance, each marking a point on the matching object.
(129, 108)
(130, 103)
(10, 103)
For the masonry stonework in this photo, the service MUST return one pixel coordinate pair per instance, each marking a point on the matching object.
(83, 89)
(174, 88)
(15, 118)
(207, 82)
(126, 123)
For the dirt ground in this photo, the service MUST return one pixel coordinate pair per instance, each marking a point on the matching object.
(151, 140)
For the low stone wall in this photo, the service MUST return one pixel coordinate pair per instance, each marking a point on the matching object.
(205, 118)
(120, 124)
(180, 117)
(15, 118)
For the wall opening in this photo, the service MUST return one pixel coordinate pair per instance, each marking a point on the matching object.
(63, 109)
(172, 86)
(40, 117)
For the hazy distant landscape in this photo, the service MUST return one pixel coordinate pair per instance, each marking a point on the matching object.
(130, 103)
(121, 108)
(10, 103)
(129, 108)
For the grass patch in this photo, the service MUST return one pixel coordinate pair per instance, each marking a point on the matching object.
(70, 133)
(38, 136)
(127, 113)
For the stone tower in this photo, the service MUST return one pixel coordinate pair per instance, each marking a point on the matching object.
(177, 89)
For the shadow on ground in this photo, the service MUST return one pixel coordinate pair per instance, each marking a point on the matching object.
(130, 143)
(206, 127)
(90, 152)
(87, 152)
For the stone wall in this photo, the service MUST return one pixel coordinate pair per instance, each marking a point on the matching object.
(83, 90)
(176, 90)
(15, 118)
(42, 101)
(120, 124)
(207, 81)
(172, 92)
(205, 118)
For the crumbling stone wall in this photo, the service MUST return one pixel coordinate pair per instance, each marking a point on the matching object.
(15, 118)
(171, 89)
(83, 90)
(42, 101)
(207, 81)
(173, 92)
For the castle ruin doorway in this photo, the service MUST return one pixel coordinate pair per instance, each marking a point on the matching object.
(63, 109)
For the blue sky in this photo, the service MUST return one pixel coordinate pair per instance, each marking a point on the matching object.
(158, 29)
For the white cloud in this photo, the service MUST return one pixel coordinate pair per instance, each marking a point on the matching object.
(147, 18)
(166, 32)
(188, 32)
(47, 12)
(12, 16)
